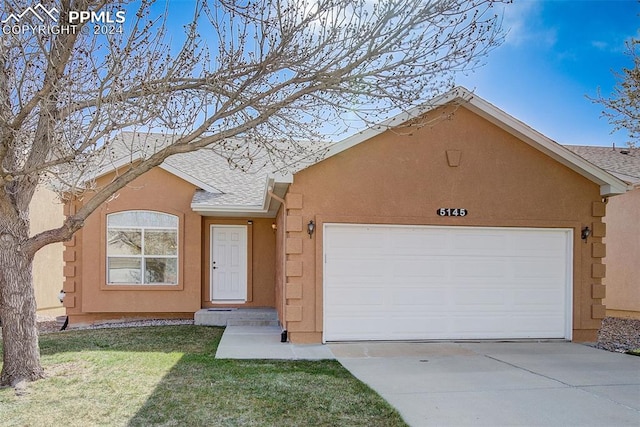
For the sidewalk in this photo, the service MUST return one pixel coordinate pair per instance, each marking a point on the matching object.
(263, 342)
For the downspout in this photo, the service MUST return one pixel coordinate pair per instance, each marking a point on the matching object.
(283, 335)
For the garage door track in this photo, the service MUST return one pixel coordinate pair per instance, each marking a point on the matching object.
(489, 383)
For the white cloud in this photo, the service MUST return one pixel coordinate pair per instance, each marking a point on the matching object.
(600, 45)
(523, 23)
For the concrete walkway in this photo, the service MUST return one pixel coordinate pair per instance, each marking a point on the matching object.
(474, 384)
(263, 342)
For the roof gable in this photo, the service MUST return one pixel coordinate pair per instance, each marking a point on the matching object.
(228, 191)
(222, 190)
(609, 184)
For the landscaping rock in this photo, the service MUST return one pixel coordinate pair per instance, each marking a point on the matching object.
(619, 334)
(48, 325)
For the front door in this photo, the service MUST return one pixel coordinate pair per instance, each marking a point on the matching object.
(228, 263)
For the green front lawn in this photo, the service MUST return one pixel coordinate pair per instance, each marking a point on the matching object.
(168, 376)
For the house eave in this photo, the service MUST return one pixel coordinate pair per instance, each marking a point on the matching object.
(188, 178)
(232, 211)
(268, 209)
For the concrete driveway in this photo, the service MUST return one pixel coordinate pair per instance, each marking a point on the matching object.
(499, 384)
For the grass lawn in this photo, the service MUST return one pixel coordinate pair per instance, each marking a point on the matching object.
(168, 376)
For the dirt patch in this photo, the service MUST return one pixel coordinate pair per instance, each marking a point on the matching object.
(64, 369)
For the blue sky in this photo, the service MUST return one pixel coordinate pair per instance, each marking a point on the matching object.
(556, 52)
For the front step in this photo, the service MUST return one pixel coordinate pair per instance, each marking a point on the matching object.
(236, 317)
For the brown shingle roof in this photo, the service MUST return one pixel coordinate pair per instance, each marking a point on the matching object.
(623, 163)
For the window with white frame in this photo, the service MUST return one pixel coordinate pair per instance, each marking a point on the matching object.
(142, 248)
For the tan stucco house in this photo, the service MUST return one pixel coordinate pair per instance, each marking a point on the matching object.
(459, 222)
(46, 212)
(623, 229)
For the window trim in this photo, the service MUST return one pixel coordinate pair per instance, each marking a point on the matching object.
(179, 229)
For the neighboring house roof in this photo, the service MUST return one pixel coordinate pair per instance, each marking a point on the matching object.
(623, 163)
(609, 184)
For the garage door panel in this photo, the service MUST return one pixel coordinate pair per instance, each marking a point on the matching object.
(420, 282)
(551, 297)
(545, 267)
(477, 324)
(350, 238)
(410, 328)
(357, 327)
(357, 267)
(418, 267)
(473, 242)
(477, 269)
(423, 297)
(345, 296)
(495, 298)
(526, 243)
(549, 326)
(413, 243)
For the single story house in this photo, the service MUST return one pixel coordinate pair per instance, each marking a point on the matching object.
(623, 229)
(451, 221)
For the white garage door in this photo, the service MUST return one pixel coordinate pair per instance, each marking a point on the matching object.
(423, 282)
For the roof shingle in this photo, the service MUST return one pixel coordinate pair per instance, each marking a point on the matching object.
(624, 163)
(224, 184)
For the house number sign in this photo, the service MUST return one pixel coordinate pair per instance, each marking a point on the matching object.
(452, 212)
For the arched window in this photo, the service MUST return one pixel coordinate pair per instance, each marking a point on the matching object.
(142, 248)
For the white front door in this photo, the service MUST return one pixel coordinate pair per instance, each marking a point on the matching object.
(228, 263)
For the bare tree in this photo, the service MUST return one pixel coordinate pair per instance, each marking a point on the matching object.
(622, 108)
(247, 77)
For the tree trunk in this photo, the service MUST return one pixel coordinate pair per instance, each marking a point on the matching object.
(21, 353)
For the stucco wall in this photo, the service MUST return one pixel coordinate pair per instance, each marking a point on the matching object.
(403, 178)
(623, 255)
(88, 295)
(46, 212)
(280, 278)
(90, 299)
